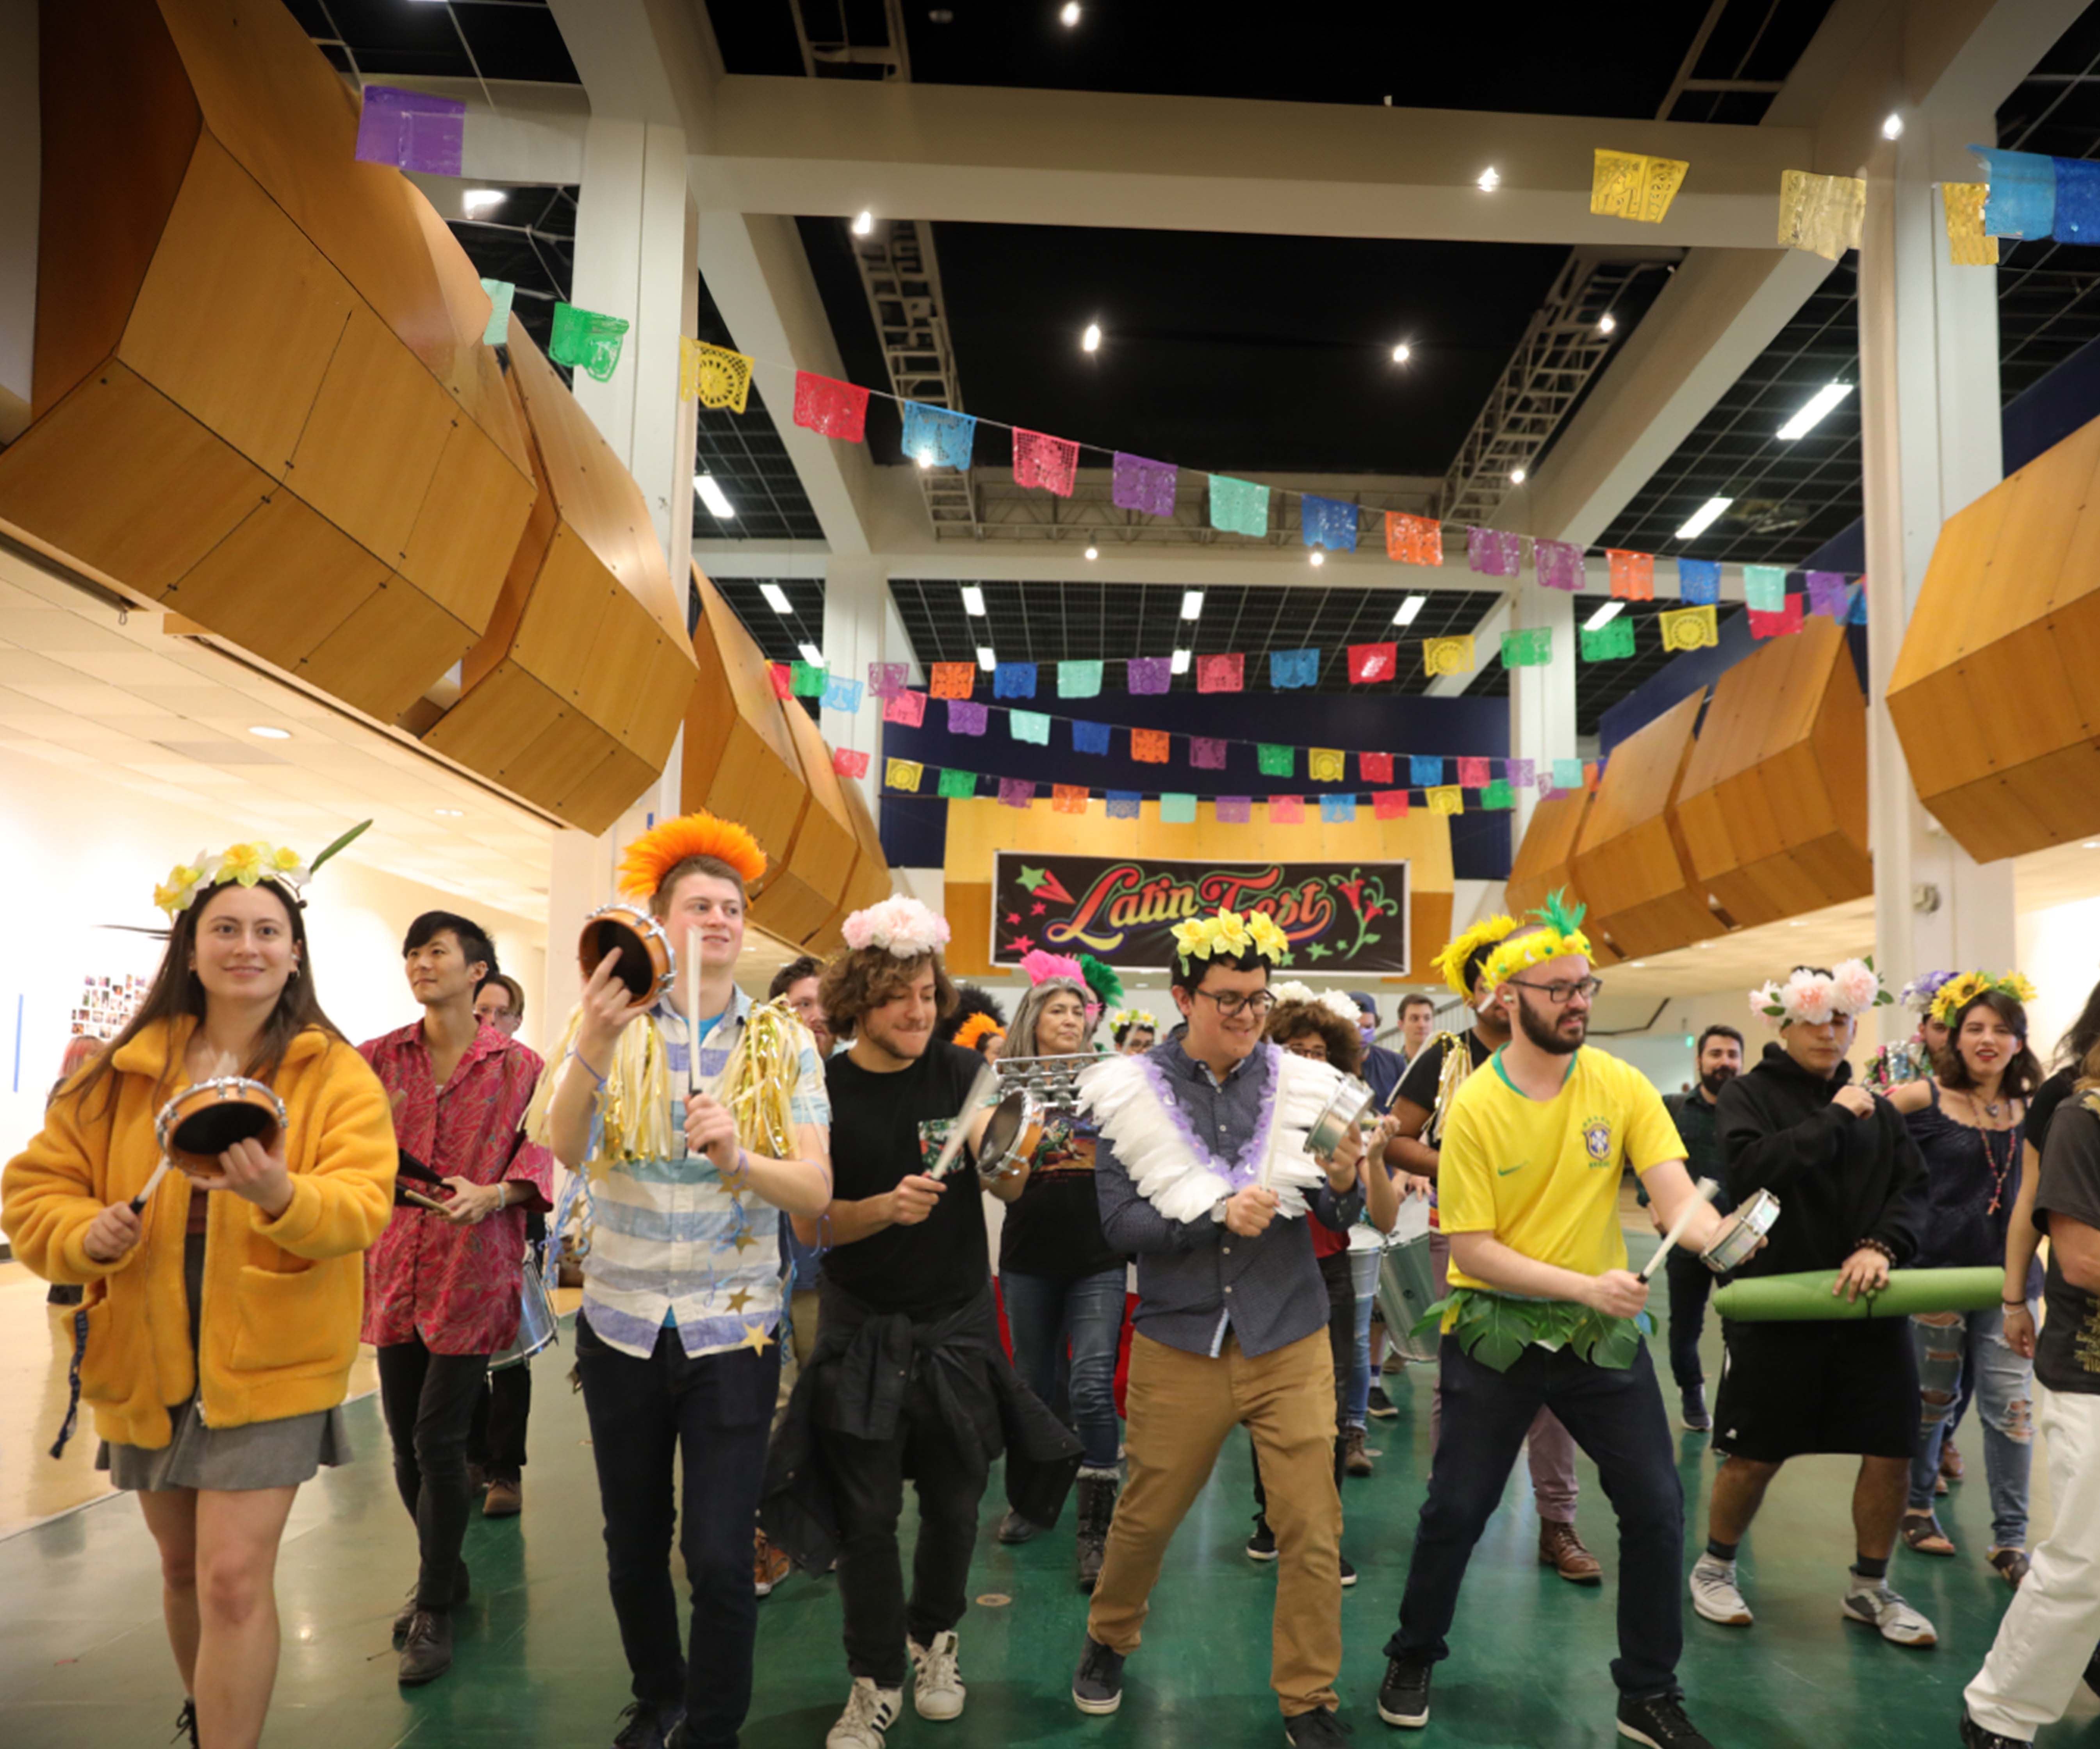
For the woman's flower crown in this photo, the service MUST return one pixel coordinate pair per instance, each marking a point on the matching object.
(1333, 1001)
(1852, 988)
(1918, 994)
(244, 865)
(903, 927)
(1120, 1018)
(1558, 930)
(1957, 993)
(1230, 934)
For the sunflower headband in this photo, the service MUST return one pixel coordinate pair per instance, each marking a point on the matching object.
(245, 865)
(1558, 930)
(1852, 987)
(1451, 962)
(1956, 993)
(1229, 934)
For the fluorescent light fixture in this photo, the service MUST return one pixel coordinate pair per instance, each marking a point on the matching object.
(1319, 558)
(480, 199)
(973, 600)
(1892, 129)
(711, 495)
(269, 733)
(1090, 340)
(1402, 353)
(986, 659)
(1812, 414)
(1517, 476)
(1607, 322)
(1093, 552)
(1070, 14)
(450, 813)
(863, 225)
(1603, 616)
(1636, 965)
(1180, 665)
(1703, 518)
(1404, 615)
(1491, 179)
(812, 655)
(1192, 604)
(776, 597)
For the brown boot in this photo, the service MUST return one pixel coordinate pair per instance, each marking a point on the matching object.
(505, 1498)
(1560, 1548)
(1355, 1458)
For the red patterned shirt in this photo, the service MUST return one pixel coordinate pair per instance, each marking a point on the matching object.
(455, 1287)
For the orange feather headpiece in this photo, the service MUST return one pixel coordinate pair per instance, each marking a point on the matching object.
(663, 848)
(974, 1031)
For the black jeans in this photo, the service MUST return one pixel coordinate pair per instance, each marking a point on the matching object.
(1690, 1282)
(712, 1416)
(1616, 1415)
(428, 1402)
(496, 1439)
(1342, 1339)
(868, 1491)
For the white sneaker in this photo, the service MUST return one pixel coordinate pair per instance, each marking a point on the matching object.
(1714, 1593)
(870, 1711)
(937, 1684)
(1870, 1601)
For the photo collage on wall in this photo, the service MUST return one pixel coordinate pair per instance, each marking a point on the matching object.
(106, 1004)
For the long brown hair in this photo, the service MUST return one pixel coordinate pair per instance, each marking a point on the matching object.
(2022, 1074)
(177, 991)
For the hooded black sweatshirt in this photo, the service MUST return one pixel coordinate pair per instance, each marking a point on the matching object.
(1839, 1179)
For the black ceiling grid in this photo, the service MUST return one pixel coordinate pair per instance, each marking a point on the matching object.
(780, 636)
(461, 39)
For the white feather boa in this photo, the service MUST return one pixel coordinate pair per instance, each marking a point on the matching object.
(1169, 1174)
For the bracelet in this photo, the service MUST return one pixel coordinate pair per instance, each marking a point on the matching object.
(2022, 1304)
(1887, 1251)
(588, 1069)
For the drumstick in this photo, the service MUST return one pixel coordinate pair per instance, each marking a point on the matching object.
(988, 1075)
(1703, 1192)
(421, 1202)
(692, 980)
(140, 1201)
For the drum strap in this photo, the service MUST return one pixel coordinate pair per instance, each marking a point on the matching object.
(73, 1383)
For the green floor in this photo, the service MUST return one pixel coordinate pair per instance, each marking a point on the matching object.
(83, 1660)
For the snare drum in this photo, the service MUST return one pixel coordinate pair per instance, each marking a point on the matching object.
(647, 965)
(201, 1122)
(537, 1326)
(1740, 1232)
(1342, 1112)
(1011, 1134)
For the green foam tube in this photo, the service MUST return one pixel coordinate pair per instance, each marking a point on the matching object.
(1795, 1299)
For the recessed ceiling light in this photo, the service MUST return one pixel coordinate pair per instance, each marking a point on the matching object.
(711, 495)
(1811, 414)
(1796, 922)
(812, 655)
(1491, 179)
(480, 199)
(268, 733)
(1605, 615)
(1404, 615)
(776, 597)
(1090, 340)
(986, 659)
(1892, 129)
(864, 225)
(1703, 518)
(1402, 353)
(450, 813)
(1180, 665)
(1636, 965)
(1069, 16)
(1093, 552)
(1607, 322)
(973, 600)
(1192, 604)
(1517, 476)
(1319, 558)
(2090, 843)
(1702, 945)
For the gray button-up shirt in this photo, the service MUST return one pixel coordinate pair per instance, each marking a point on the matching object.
(1197, 1279)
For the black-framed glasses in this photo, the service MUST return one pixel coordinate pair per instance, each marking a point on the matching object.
(1563, 991)
(1233, 1004)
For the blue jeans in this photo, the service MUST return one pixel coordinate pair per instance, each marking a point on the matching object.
(1358, 1407)
(1042, 1313)
(1959, 1349)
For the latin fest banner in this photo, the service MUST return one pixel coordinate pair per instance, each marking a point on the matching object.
(1338, 916)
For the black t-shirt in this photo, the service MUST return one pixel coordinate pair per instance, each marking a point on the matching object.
(883, 1128)
(2067, 1352)
(1054, 1227)
(1425, 1074)
(2042, 1107)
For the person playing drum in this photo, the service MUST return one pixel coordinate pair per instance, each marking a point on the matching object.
(442, 1288)
(221, 1314)
(695, 1114)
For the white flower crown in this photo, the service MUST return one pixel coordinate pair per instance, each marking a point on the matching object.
(1290, 990)
(901, 927)
(1852, 987)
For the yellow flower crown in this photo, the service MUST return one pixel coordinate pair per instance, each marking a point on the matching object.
(1451, 962)
(1231, 934)
(1558, 930)
(244, 865)
(1956, 993)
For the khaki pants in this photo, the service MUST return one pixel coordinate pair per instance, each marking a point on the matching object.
(1181, 1406)
(802, 1314)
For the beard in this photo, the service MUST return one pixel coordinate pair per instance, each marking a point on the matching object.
(1546, 1034)
(1715, 1079)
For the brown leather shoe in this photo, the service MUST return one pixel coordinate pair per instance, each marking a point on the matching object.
(505, 1499)
(769, 1565)
(1560, 1548)
(1355, 1461)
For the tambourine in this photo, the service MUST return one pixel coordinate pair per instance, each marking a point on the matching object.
(647, 966)
(1011, 1134)
(1740, 1232)
(1344, 1111)
(201, 1122)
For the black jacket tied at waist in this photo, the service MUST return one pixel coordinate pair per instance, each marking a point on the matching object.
(857, 1383)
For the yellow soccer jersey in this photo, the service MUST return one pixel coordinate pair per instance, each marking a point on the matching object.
(1542, 1176)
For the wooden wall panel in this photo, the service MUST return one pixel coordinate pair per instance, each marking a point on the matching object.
(806, 893)
(1544, 860)
(1631, 858)
(740, 760)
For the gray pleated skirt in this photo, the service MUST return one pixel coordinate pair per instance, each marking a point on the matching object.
(279, 1453)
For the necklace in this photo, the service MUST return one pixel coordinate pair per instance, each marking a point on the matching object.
(2001, 1170)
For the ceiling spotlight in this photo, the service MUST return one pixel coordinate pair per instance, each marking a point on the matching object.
(1703, 518)
(1517, 476)
(1093, 552)
(864, 225)
(1402, 353)
(1813, 410)
(1090, 340)
(924, 458)
(973, 600)
(1603, 616)
(1702, 945)
(1607, 322)
(1892, 129)
(812, 655)
(1319, 558)
(1491, 179)
(269, 733)
(1180, 663)
(480, 199)
(1192, 604)
(1404, 615)
(1069, 15)
(986, 659)
(776, 597)
(711, 495)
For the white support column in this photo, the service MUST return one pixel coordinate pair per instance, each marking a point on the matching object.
(1541, 701)
(1929, 406)
(860, 626)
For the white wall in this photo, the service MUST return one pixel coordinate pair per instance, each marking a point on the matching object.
(81, 855)
(2059, 950)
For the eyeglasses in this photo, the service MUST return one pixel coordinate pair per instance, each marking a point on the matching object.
(1256, 1003)
(1561, 992)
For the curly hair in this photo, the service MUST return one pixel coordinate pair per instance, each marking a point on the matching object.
(856, 981)
(1292, 1020)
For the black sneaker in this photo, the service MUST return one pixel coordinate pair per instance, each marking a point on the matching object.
(643, 1729)
(186, 1725)
(1659, 1721)
(407, 1613)
(1403, 1698)
(1697, 1419)
(1261, 1546)
(1974, 1736)
(1097, 1684)
(1317, 1729)
(1348, 1573)
(1381, 1405)
(427, 1653)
